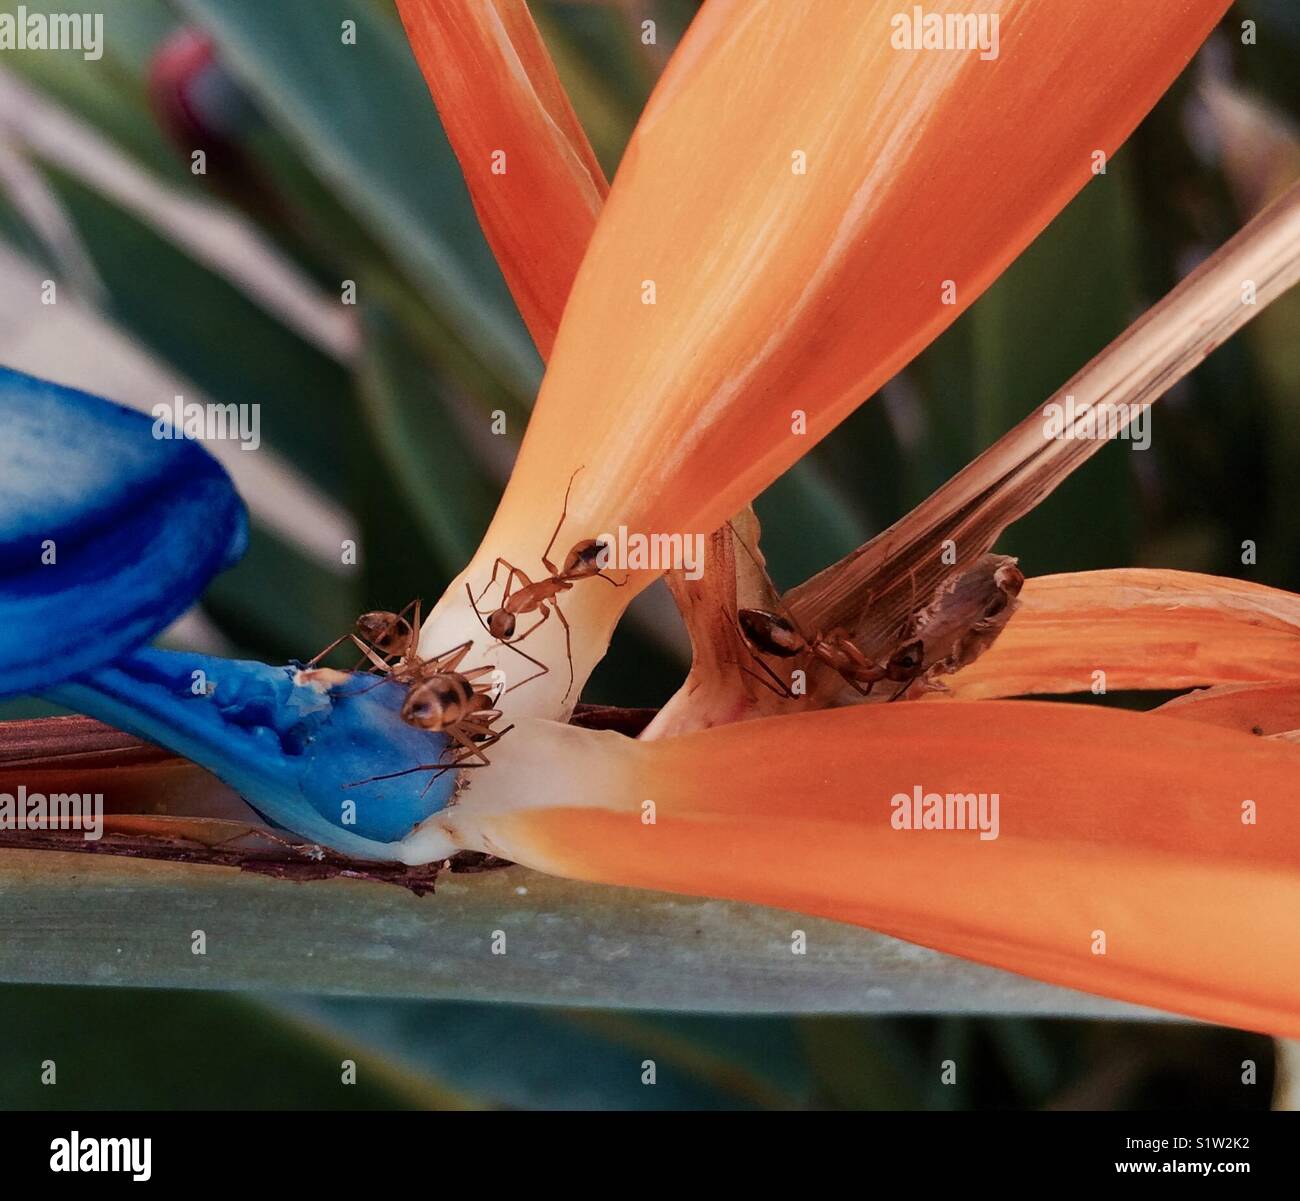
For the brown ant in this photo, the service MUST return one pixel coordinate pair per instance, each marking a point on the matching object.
(387, 633)
(772, 634)
(583, 562)
(440, 697)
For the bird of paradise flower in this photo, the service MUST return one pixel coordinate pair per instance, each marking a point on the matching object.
(704, 326)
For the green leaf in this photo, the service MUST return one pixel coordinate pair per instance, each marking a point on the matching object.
(214, 335)
(124, 1049)
(1060, 303)
(408, 408)
(361, 114)
(110, 92)
(807, 523)
(568, 944)
(525, 1057)
(278, 604)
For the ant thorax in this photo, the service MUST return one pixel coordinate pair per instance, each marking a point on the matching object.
(388, 633)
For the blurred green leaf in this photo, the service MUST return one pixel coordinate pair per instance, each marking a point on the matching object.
(110, 93)
(362, 115)
(408, 408)
(862, 1065)
(531, 1058)
(248, 1056)
(214, 335)
(807, 523)
(277, 604)
(1060, 303)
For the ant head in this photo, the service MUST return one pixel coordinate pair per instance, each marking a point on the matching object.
(905, 663)
(586, 559)
(501, 624)
(1009, 579)
(430, 704)
(769, 632)
(384, 631)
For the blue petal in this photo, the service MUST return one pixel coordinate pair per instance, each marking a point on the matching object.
(297, 752)
(133, 527)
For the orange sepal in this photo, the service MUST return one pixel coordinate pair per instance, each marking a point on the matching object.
(1123, 864)
(532, 174)
(1144, 629)
(1265, 710)
(798, 195)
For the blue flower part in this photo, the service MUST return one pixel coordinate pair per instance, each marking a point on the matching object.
(303, 748)
(107, 533)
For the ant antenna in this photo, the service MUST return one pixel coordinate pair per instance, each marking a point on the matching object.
(564, 512)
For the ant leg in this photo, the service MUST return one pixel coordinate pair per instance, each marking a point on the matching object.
(259, 832)
(473, 605)
(450, 660)
(511, 643)
(471, 750)
(774, 685)
(568, 642)
(609, 579)
(337, 641)
(898, 696)
(546, 612)
(512, 573)
(564, 512)
(376, 662)
(459, 761)
(412, 643)
(781, 687)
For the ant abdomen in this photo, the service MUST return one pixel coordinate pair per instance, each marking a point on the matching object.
(770, 633)
(586, 559)
(439, 701)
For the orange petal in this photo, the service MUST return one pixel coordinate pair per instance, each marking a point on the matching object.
(1144, 629)
(1111, 825)
(531, 172)
(1267, 710)
(783, 297)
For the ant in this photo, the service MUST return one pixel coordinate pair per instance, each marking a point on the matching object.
(772, 634)
(440, 697)
(583, 562)
(387, 633)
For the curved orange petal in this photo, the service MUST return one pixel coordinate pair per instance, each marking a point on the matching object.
(1111, 825)
(1266, 709)
(533, 177)
(1144, 629)
(796, 200)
